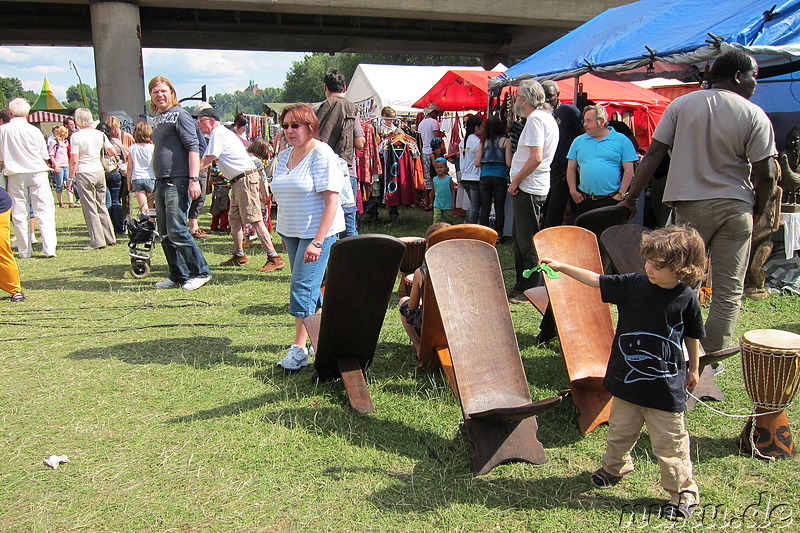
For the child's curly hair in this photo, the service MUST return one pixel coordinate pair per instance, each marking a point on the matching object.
(679, 249)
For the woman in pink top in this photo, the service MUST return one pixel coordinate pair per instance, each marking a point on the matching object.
(58, 148)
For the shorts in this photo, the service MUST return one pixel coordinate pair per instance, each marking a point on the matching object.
(426, 171)
(245, 199)
(143, 185)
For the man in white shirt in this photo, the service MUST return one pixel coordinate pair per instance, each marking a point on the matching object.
(428, 129)
(235, 163)
(24, 155)
(530, 181)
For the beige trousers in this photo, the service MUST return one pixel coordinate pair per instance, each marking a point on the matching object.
(670, 442)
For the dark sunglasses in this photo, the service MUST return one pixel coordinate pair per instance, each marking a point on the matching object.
(294, 126)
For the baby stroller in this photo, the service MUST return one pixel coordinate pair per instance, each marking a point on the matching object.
(142, 236)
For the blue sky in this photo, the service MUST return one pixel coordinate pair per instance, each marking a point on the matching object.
(222, 71)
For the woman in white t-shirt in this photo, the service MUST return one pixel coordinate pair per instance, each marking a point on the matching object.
(141, 178)
(86, 170)
(306, 186)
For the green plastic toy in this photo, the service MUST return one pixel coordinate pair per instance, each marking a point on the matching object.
(542, 267)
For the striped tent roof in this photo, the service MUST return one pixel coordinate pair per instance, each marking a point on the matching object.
(46, 116)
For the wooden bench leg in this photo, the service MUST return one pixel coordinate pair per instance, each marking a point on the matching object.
(355, 385)
(593, 406)
(497, 444)
(707, 388)
(447, 367)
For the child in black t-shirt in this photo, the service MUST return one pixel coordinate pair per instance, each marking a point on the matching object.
(647, 372)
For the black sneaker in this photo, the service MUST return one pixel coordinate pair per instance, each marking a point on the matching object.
(603, 480)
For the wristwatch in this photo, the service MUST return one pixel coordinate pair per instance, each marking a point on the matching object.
(316, 244)
(194, 178)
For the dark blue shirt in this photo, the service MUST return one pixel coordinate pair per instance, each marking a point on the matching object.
(5, 201)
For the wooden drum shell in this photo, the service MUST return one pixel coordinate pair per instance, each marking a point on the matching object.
(771, 367)
(415, 253)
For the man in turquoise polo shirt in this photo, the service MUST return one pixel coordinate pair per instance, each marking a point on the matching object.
(603, 158)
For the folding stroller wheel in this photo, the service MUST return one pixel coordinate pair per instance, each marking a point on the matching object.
(140, 268)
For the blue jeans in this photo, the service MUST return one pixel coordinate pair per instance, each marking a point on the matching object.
(350, 228)
(472, 188)
(60, 179)
(115, 211)
(305, 296)
(184, 257)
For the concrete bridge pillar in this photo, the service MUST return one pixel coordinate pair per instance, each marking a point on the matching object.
(116, 36)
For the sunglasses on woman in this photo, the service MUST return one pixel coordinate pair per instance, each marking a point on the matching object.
(293, 125)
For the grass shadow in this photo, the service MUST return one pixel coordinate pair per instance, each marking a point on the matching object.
(201, 352)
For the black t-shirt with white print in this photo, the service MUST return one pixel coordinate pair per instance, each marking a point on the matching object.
(647, 366)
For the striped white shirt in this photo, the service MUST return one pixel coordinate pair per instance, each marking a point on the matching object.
(298, 191)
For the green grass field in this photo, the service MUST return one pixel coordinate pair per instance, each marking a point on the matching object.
(175, 418)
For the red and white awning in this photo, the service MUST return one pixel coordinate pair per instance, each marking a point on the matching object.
(46, 116)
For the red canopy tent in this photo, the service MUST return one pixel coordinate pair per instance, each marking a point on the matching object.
(642, 108)
(460, 90)
(464, 90)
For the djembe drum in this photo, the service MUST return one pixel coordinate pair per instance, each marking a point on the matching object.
(415, 253)
(771, 370)
(412, 259)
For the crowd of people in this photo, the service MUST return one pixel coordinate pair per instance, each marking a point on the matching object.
(551, 157)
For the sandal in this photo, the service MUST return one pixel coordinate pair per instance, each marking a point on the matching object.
(681, 511)
(678, 512)
(603, 480)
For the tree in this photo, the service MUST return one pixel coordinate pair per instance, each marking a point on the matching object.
(304, 79)
(227, 105)
(11, 88)
(75, 98)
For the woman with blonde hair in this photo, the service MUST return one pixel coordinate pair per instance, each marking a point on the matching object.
(118, 133)
(58, 148)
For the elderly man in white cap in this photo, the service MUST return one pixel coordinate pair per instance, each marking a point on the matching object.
(428, 129)
(23, 152)
(227, 150)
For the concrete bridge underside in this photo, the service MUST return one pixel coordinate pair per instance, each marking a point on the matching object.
(502, 30)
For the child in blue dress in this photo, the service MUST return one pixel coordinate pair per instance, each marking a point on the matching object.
(443, 192)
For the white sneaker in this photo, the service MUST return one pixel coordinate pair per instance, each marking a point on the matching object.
(195, 283)
(296, 358)
(167, 284)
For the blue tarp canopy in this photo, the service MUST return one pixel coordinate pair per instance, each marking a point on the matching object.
(669, 38)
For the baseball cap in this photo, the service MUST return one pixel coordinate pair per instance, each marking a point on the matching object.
(210, 112)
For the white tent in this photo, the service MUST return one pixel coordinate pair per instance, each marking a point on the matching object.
(398, 86)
